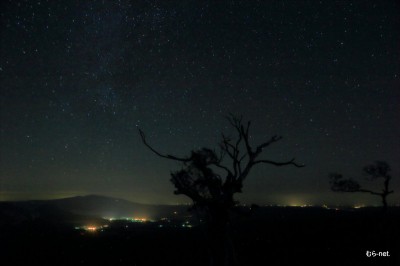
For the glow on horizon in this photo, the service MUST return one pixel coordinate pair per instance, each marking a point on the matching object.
(294, 200)
(131, 219)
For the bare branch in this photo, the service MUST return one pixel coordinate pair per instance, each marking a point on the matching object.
(233, 152)
(369, 191)
(219, 165)
(291, 162)
(167, 156)
(241, 158)
(245, 133)
(225, 146)
(266, 144)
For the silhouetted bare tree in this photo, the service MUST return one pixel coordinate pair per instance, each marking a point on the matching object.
(211, 179)
(373, 171)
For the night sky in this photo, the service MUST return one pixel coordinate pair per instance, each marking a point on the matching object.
(78, 78)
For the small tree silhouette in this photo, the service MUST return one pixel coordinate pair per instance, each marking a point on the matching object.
(380, 169)
(202, 181)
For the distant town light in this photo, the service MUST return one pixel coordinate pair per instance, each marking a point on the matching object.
(91, 228)
(139, 220)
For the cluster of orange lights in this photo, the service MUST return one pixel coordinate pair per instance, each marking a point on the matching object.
(139, 220)
(91, 228)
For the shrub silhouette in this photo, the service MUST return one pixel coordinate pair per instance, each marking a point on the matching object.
(379, 170)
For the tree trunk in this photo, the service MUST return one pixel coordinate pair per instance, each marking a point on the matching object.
(384, 202)
(222, 250)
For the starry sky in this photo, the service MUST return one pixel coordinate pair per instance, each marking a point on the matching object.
(78, 78)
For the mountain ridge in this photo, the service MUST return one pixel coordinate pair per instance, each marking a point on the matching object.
(84, 206)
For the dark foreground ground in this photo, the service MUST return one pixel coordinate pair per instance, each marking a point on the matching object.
(270, 236)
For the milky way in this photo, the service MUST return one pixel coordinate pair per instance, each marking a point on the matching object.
(78, 78)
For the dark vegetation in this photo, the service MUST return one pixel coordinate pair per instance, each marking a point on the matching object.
(266, 236)
(378, 171)
(211, 178)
